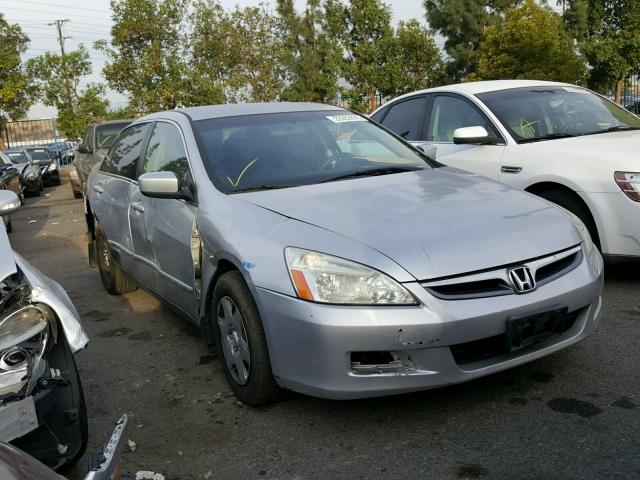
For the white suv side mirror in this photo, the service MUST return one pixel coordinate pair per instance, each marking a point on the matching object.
(9, 202)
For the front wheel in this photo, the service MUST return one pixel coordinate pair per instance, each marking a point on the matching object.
(115, 281)
(241, 342)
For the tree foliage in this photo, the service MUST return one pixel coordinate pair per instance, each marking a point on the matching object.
(530, 43)
(75, 107)
(416, 62)
(147, 60)
(16, 88)
(463, 23)
(612, 42)
(237, 55)
(312, 55)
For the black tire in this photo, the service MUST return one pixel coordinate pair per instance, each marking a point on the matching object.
(66, 416)
(115, 281)
(77, 194)
(57, 182)
(575, 206)
(260, 387)
(9, 226)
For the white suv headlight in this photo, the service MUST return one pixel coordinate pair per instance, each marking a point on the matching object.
(327, 279)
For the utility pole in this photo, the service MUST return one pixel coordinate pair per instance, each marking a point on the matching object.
(67, 81)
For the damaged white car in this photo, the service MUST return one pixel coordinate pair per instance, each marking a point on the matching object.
(42, 407)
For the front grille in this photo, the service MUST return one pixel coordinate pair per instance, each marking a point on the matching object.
(478, 289)
(495, 282)
(490, 347)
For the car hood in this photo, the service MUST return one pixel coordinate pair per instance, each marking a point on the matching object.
(434, 223)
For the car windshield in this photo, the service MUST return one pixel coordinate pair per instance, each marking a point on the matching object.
(40, 154)
(106, 134)
(17, 157)
(257, 152)
(543, 113)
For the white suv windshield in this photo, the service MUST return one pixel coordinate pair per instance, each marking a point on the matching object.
(543, 113)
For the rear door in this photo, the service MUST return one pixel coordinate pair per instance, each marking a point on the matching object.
(448, 112)
(112, 189)
(163, 228)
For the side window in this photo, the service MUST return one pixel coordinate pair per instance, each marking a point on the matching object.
(124, 154)
(376, 117)
(449, 113)
(406, 118)
(166, 153)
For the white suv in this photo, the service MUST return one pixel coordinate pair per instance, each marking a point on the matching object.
(561, 142)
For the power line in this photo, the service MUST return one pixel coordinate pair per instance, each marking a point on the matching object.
(50, 12)
(68, 7)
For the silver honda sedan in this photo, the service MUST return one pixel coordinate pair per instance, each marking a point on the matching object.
(320, 253)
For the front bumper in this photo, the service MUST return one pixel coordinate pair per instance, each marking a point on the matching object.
(618, 222)
(311, 345)
(30, 186)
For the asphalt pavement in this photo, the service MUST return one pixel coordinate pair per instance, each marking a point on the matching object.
(574, 415)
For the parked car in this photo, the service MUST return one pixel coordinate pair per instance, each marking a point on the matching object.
(42, 408)
(10, 176)
(322, 254)
(47, 163)
(634, 107)
(10, 180)
(30, 174)
(18, 465)
(97, 140)
(558, 141)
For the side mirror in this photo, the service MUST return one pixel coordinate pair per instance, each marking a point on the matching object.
(472, 135)
(159, 185)
(9, 202)
(84, 148)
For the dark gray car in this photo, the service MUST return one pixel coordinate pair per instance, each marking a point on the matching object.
(30, 174)
(97, 140)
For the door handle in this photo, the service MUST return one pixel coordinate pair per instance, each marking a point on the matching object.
(98, 189)
(137, 206)
(509, 169)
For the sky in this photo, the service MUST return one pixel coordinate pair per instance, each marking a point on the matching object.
(90, 20)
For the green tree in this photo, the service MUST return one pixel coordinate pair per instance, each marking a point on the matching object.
(575, 16)
(313, 56)
(531, 43)
(48, 72)
(147, 57)
(237, 55)
(16, 89)
(463, 23)
(612, 43)
(416, 62)
(363, 28)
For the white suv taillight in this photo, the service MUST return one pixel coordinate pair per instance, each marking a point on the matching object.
(629, 182)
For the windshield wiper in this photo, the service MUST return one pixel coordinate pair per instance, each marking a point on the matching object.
(551, 136)
(372, 172)
(262, 187)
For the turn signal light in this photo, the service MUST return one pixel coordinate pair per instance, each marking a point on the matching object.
(629, 182)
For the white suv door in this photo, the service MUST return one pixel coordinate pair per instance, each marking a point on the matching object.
(448, 112)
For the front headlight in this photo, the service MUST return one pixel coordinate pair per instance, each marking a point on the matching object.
(327, 279)
(587, 241)
(31, 176)
(22, 325)
(53, 167)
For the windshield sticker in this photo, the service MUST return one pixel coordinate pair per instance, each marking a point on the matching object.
(346, 118)
(574, 90)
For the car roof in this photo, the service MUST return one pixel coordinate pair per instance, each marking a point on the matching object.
(239, 109)
(473, 88)
(109, 122)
